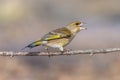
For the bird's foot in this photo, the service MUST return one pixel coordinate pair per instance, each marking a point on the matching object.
(65, 50)
(46, 48)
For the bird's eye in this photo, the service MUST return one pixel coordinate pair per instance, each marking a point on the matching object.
(77, 23)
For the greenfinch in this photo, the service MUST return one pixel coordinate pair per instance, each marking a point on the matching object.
(59, 38)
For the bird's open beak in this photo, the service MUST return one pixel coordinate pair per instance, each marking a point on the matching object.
(82, 28)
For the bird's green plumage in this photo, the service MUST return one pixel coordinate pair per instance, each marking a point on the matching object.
(54, 35)
(37, 43)
(57, 34)
(58, 38)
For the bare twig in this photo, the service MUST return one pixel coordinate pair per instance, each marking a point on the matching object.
(75, 52)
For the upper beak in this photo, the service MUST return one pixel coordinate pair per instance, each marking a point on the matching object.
(81, 24)
(82, 28)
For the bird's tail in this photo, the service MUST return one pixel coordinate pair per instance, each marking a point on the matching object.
(34, 44)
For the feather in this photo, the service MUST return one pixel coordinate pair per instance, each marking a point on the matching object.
(57, 34)
(34, 44)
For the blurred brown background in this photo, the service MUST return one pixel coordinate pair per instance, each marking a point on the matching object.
(25, 21)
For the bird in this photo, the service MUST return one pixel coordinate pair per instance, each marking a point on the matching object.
(59, 38)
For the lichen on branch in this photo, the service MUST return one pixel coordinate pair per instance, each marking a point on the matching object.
(70, 52)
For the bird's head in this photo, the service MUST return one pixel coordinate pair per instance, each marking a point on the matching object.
(76, 26)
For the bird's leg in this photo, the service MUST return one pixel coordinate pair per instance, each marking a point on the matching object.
(61, 49)
(46, 48)
(48, 51)
(64, 50)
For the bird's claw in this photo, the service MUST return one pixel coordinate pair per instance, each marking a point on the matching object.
(65, 50)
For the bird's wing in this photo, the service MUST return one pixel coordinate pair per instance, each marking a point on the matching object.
(57, 34)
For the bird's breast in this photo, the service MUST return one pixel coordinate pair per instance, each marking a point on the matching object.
(61, 42)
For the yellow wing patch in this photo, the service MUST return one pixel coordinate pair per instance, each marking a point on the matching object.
(38, 42)
(57, 34)
(53, 37)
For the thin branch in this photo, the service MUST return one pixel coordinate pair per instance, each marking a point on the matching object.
(75, 52)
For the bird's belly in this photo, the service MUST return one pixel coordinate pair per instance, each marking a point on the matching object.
(58, 42)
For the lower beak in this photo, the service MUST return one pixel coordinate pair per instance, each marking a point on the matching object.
(82, 28)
